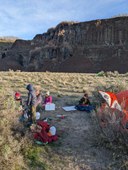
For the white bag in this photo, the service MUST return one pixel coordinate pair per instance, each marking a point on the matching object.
(52, 130)
(50, 106)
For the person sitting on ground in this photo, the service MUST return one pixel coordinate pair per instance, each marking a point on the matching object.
(38, 98)
(31, 103)
(84, 101)
(44, 133)
(85, 104)
(20, 106)
(48, 98)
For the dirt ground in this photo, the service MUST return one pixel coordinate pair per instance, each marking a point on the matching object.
(76, 145)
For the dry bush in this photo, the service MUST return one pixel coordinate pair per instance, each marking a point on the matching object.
(17, 151)
(10, 157)
(110, 136)
(108, 113)
(108, 131)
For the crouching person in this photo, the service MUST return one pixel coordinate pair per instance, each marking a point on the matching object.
(19, 106)
(31, 103)
(19, 102)
(85, 104)
(44, 133)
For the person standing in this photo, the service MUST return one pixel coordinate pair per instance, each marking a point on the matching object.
(39, 98)
(31, 103)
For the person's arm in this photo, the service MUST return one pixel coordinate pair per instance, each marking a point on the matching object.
(88, 102)
(29, 99)
(40, 99)
(22, 102)
(81, 101)
(45, 100)
(50, 99)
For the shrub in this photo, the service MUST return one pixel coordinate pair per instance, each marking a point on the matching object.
(101, 74)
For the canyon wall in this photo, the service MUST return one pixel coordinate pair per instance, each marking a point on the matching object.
(73, 47)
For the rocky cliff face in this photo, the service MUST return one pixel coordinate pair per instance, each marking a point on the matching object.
(74, 47)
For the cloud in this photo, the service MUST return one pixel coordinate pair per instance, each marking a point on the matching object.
(27, 18)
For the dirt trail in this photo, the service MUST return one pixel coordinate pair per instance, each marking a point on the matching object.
(77, 144)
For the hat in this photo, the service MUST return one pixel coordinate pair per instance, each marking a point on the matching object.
(37, 88)
(17, 95)
(85, 94)
(48, 93)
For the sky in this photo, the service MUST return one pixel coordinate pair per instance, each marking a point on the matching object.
(26, 18)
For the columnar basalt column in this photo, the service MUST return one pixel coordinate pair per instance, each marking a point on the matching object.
(120, 37)
(106, 34)
(103, 36)
(112, 35)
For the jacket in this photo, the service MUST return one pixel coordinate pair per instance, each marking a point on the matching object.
(31, 101)
(38, 99)
(48, 99)
(84, 101)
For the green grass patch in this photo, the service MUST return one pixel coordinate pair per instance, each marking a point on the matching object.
(32, 155)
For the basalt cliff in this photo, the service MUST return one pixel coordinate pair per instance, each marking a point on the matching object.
(72, 47)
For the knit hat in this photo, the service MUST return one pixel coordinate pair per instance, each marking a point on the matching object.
(17, 95)
(85, 94)
(48, 93)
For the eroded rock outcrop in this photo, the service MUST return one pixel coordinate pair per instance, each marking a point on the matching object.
(75, 47)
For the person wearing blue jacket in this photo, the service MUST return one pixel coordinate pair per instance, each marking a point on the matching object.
(31, 103)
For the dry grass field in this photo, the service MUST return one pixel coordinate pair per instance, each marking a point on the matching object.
(81, 145)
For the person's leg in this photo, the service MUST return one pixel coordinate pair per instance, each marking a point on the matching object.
(29, 114)
(34, 114)
(39, 108)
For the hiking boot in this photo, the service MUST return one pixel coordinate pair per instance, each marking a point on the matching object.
(28, 124)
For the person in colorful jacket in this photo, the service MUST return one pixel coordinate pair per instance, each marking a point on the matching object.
(48, 98)
(19, 102)
(38, 95)
(20, 106)
(44, 133)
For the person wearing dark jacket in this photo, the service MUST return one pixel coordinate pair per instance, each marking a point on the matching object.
(84, 104)
(84, 101)
(31, 103)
